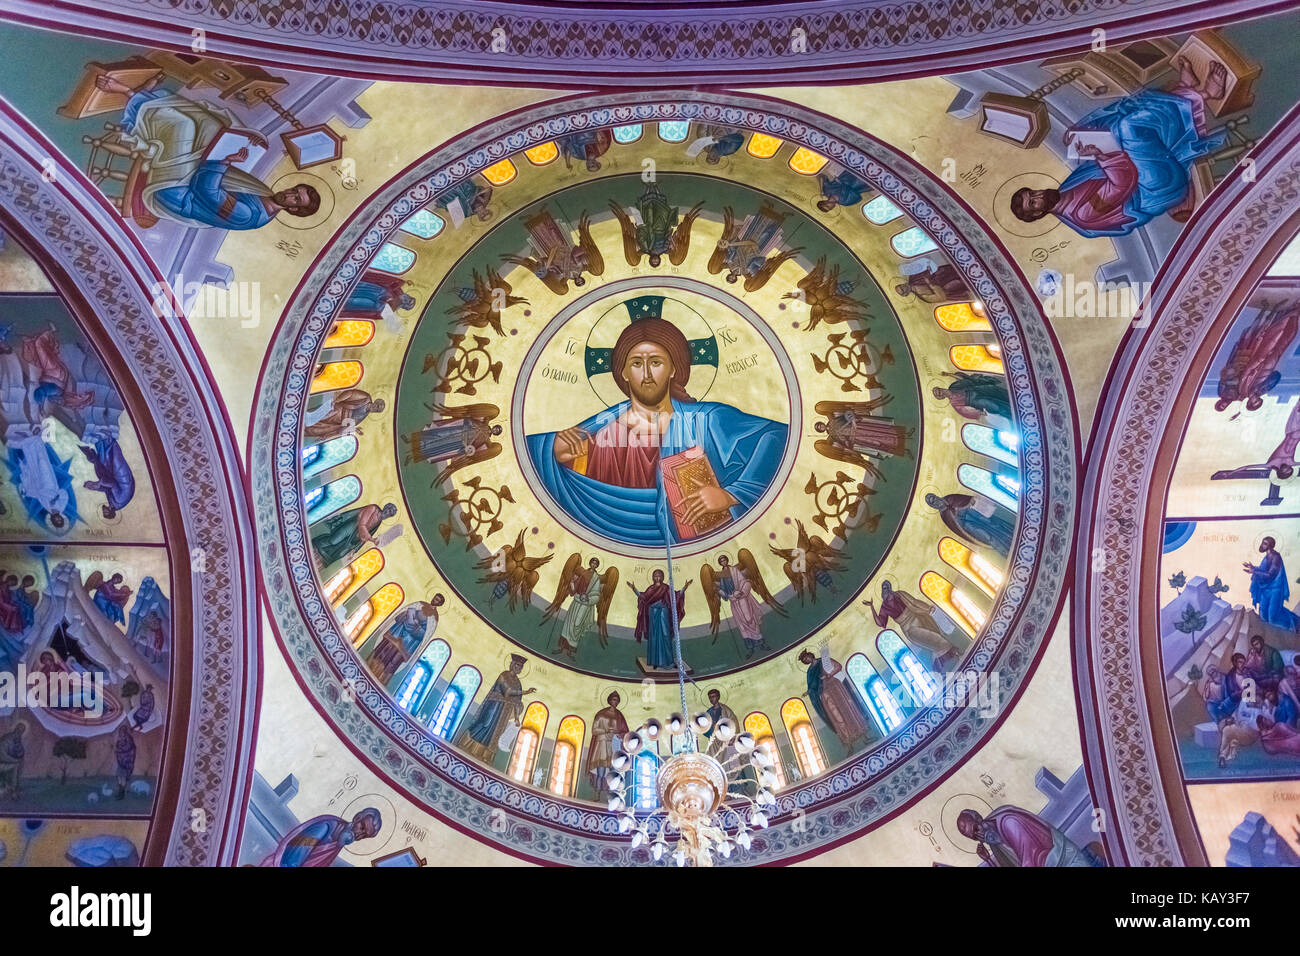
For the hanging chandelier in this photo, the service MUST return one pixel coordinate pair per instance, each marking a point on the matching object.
(704, 795)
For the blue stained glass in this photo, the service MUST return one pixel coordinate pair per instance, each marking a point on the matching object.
(981, 481)
(393, 258)
(336, 495)
(328, 454)
(645, 774)
(987, 441)
(424, 224)
(313, 497)
(880, 211)
(674, 131)
(880, 702)
(413, 686)
(912, 242)
(627, 134)
(452, 706)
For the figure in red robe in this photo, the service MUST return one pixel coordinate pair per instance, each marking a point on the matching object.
(50, 374)
(1009, 836)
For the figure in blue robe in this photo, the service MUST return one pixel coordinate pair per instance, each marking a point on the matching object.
(744, 450)
(654, 626)
(113, 475)
(1269, 589)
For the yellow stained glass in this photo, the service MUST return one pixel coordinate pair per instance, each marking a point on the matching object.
(543, 154)
(940, 590)
(572, 730)
(806, 161)
(362, 570)
(336, 375)
(350, 333)
(957, 555)
(961, 317)
(792, 711)
(498, 174)
(976, 358)
(382, 603)
(762, 146)
(758, 725)
(535, 717)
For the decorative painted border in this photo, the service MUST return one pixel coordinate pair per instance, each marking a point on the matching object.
(109, 283)
(537, 43)
(1130, 751)
(861, 792)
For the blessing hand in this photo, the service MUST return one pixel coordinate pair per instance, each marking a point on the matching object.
(571, 444)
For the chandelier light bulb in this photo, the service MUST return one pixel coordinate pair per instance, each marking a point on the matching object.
(631, 743)
(616, 782)
(743, 839)
(758, 819)
(725, 729)
(620, 762)
(625, 825)
(745, 742)
(761, 758)
(651, 729)
(659, 848)
(703, 722)
(677, 723)
(616, 803)
(766, 797)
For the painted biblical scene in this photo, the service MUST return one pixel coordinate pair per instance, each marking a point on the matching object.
(626, 371)
(1229, 640)
(73, 469)
(86, 655)
(71, 841)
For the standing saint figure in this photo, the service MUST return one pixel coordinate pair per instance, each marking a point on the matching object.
(977, 520)
(456, 438)
(935, 285)
(348, 410)
(914, 617)
(979, 397)
(1269, 589)
(592, 593)
(607, 730)
(124, 756)
(736, 584)
(856, 436)
(411, 629)
(319, 841)
(339, 537)
(1009, 836)
(832, 700)
(717, 711)
(502, 705)
(653, 625)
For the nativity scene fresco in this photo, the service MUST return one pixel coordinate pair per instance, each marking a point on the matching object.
(411, 460)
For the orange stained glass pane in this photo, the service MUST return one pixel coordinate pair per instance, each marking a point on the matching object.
(521, 758)
(976, 358)
(806, 161)
(957, 555)
(562, 768)
(961, 317)
(498, 174)
(940, 590)
(758, 725)
(543, 154)
(362, 569)
(763, 146)
(336, 375)
(384, 602)
(535, 717)
(350, 333)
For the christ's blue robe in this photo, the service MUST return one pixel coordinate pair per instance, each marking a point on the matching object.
(201, 198)
(744, 450)
(1269, 591)
(1157, 131)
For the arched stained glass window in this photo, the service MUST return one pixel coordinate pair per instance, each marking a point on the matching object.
(879, 210)
(332, 376)
(393, 259)
(645, 779)
(523, 756)
(313, 497)
(413, 688)
(336, 494)
(978, 358)
(498, 174)
(998, 444)
(763, 146)
(345, 582)
(913, 242)
(882, 706)
(978, 569)
(760, 728)
(350, 334)
(807, 750)
(985, 483)
(627, 134)
(953, 601)
(961, 317)
(564, 762)
(918, 680)
(451, 708)
(807, 162)
(424, 223)
(326, 455)
(434, 659)
(381, 604)
(674, 131)
(542, 154)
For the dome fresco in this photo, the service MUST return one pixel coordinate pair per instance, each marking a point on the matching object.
(882, 442)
